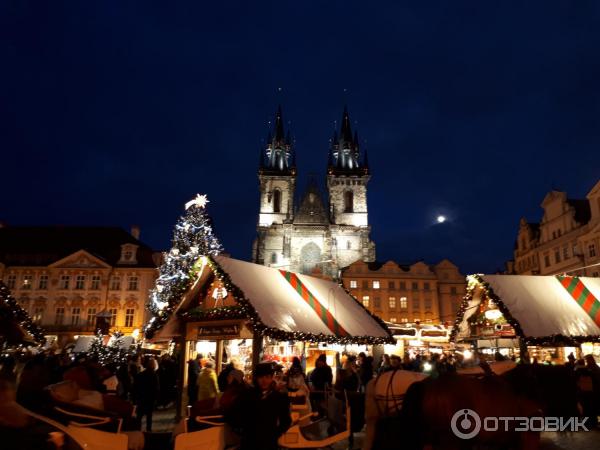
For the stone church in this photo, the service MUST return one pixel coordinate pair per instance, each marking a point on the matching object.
(310, 233)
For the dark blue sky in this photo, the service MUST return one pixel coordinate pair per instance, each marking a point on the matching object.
(115, 112)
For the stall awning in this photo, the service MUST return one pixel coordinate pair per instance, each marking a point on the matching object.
(295, 303)
(542, 308)
(283, 305)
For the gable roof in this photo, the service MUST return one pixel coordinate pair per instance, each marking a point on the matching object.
(541, 308)
(42, 246)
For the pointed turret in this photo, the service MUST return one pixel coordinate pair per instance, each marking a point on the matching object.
(346, 130)
(344, 149)
(278, 151)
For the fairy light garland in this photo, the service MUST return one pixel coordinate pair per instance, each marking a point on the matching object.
(544, 341)
(20, 315)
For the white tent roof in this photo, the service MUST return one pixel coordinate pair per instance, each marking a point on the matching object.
(281, 307)
(541, 305)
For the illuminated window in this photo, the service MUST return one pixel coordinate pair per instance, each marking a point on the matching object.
(393, 319)
(27, 281)
(38, 315)
(365, 301)
(392, 302)
(404, 320)
(375, 284)
(403, 303)
(353, 284)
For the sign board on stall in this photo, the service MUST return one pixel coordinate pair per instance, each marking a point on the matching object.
(230, 331)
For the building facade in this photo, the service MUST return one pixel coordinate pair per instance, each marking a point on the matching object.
(567, 239)
(313, 233)
(64, 276)
(407, 293)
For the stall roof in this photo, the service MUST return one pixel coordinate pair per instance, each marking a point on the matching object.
(542, 308)
(292, 306)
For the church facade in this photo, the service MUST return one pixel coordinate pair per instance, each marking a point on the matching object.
(312, 233)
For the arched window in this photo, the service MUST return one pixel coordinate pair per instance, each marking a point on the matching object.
(348, 201)
(276, 200)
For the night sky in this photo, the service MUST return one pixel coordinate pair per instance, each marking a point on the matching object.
(117, 113)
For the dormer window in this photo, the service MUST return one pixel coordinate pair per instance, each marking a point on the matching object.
(128, 254)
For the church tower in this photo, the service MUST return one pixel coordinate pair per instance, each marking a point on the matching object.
(277, 179)
(347, 178)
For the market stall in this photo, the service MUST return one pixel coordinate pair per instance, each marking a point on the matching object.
(548, 317)
(244, 313)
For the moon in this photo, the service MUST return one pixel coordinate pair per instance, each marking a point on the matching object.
(441, 219)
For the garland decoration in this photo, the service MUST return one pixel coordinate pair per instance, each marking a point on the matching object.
(582, 295)
(112, 354)
(12, 311)
(544, 341)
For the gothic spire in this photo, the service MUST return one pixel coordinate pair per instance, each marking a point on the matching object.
(346, 130)
(279, 133)
(345, 155)
(278, 152)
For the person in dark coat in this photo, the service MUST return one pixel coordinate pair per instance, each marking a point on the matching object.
(261, 414)
(193, 372)
(222, 378)
(146, 389)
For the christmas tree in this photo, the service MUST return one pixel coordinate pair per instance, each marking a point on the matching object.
(14, 321)
(193, 237)
(111, 354)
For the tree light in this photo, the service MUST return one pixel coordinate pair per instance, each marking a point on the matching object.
(441, 219)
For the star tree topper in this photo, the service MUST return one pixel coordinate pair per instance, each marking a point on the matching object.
(200, 201)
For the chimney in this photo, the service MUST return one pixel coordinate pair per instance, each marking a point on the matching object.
(135, 231)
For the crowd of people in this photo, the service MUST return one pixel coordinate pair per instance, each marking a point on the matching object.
(150, 383)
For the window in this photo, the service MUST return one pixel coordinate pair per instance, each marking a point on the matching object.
(403, 302)
(80, 282)
(557, 255)
(64, 281)
(426, 286)
(59, 317)
(27, 281)
(415, 286)
(129, 314)
(404, 320)
(365, 301)
(348, 245)
(375, 284)
(348, 202)
(127, 255)
(416, 303)
(428, 304)
(547, 260)
(392, 285)
(353, 284)
(566, 252)
(377, 302)
(575, 252)
(113, 316)
(75, 315)
(392, 302)
(91, 317)
(592, 250)
(453, 290)
(11, 281)
(95, 284)
(115, 284)
(43, 282)
(402, 286)
(38, 315)
(132, 283)
(276, 201)
(365, 284)
(392, 319)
